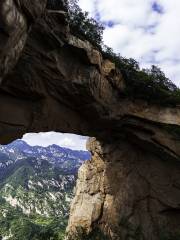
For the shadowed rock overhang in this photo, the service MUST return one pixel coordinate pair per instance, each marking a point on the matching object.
(51, 80)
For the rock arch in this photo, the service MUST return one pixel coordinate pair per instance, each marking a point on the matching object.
(51, 80)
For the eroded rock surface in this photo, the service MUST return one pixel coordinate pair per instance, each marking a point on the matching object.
(51, 80)
(89, 199)
(128, 193)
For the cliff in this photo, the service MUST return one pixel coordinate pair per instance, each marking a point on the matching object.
(126, 192)
(51, 80)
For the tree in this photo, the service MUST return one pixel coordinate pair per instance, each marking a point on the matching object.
(83, 26)
(149, 84)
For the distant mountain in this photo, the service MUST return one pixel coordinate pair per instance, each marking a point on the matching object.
(64, 159)
(36, 187)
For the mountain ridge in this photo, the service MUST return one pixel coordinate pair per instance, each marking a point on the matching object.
(37, 185)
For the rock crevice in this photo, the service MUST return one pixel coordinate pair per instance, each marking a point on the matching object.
(52, 81)
(135, 194)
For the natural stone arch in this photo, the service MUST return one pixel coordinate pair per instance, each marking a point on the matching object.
(50, 80)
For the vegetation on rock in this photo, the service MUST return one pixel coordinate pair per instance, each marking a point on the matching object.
(148, 84)
(83, 26)
(36, 187)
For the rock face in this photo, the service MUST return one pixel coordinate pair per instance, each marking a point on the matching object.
(51, 80)
(128, 193)
(88, 203)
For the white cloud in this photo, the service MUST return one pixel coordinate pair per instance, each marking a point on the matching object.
(66, 140)
(87, 5)
(138, 32)
(148, 36)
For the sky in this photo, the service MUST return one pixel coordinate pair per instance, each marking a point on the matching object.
(146, 30)
(71, 141)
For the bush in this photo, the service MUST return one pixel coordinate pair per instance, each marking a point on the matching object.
(148, 84)
(83, 26)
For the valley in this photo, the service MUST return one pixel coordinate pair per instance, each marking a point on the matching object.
(36, 188)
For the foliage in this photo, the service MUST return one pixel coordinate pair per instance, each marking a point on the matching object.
(35, 184)
(83, 26)
(34, 227)
(36, 189)
(148, 84)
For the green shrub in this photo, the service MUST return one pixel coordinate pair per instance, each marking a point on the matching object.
(148, 84)
(83, 26)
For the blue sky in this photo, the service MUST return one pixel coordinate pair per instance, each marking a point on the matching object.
(146, 30)
(71, 141)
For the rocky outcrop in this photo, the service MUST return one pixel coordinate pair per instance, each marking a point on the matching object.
(62, 83)
(88, 203)
(127, 193)
(51, 80)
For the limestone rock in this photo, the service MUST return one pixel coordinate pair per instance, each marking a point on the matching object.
(93, 55)
(136, 193)
(53, 81)
(89, 197)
